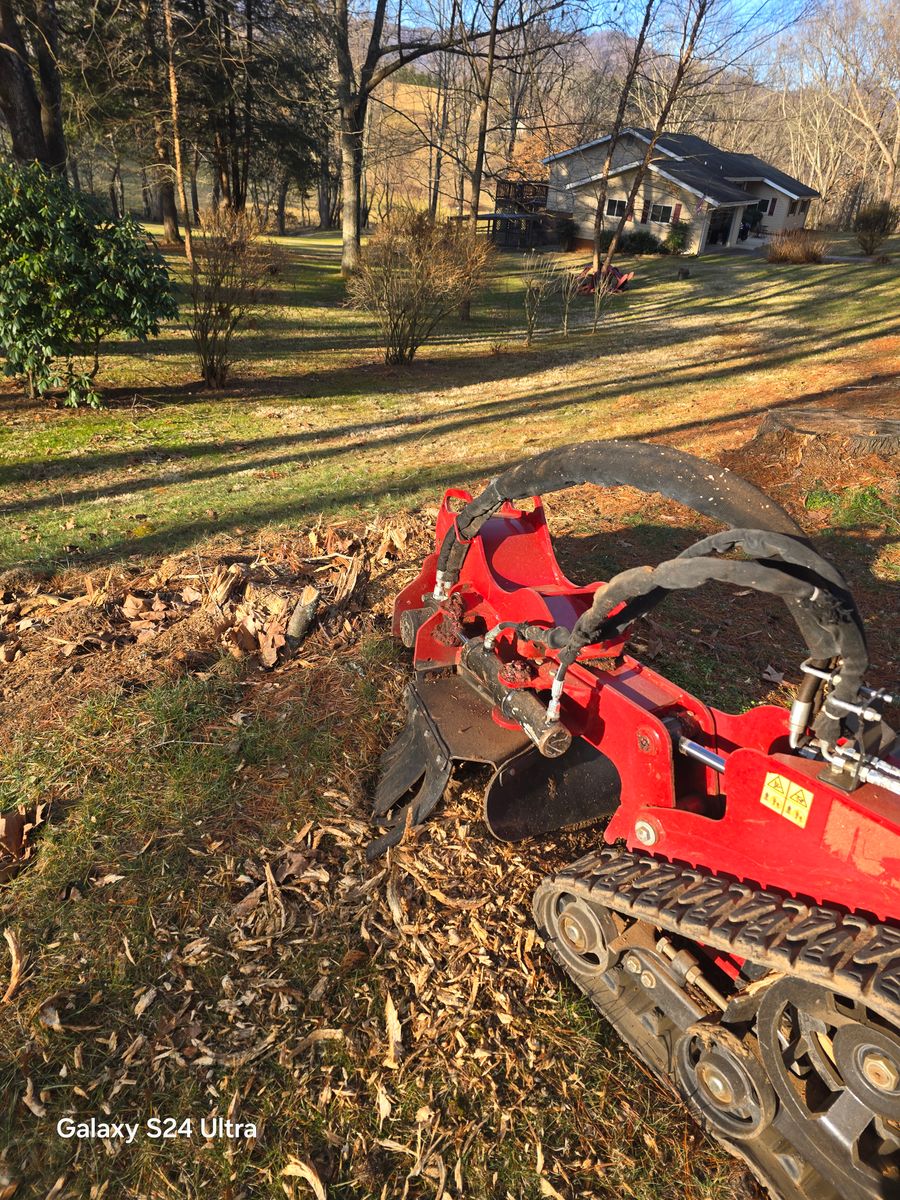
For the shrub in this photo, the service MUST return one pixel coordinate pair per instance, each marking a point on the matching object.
(642, 241)
(875, 224)
(796, 246)
(541, 280)
(569, 284)
(70, 276)
(635, 241)
(604, 289)
(677, 238)
(232, 265)
(413, 273)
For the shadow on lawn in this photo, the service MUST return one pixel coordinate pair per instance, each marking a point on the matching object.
(385, 432)
(856, 554)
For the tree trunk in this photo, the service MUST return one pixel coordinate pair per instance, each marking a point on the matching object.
(74, 173)
(281, 205)
(624, 96)
(195, 197)
(113, 196)
(700, 14)
(19, 100)
(146, 195)
(486, 82)
(323, 192)
(176, 129)
(47, 53)
(353, 119)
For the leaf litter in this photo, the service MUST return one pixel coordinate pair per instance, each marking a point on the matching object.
(396, 1028)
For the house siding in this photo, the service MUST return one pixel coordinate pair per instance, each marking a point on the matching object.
(566, 196)
(584, 164)
(653, 190)
(782, 218)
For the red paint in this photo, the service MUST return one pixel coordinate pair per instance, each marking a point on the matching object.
(847, 854)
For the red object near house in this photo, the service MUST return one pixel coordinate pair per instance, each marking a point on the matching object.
(588, 280)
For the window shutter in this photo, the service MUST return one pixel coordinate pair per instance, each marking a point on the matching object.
(644, 215)
(772, 204)
(676, 213)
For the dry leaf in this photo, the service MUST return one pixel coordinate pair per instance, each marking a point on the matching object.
(15, 970)
(49, 1017)
(547, 1189)
(146, 999)
(31, 1101)
(383, 1104)
(301, 1170)
(394, 1034)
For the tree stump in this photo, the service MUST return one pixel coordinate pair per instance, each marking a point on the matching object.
(796, 450)
(864, 435)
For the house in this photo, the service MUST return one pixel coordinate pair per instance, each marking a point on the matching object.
(687, 179)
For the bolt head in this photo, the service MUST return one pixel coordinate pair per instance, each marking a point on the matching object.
(633, 964)
(573, 933)
(645, 833)
(881, 1072)
(716, 1084)
(648, 979)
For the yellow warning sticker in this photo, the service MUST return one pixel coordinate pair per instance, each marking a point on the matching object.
(787, 798)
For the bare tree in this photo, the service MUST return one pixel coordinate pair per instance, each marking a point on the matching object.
(387, 48)
(859, 47)
(634, 62)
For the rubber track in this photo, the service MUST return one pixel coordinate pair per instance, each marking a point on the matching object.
(858, 958)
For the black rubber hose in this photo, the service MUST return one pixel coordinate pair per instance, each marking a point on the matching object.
(711, 490)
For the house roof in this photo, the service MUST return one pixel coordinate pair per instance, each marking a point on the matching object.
(704, 169)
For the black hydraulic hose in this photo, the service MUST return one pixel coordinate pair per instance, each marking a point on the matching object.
(784, 563)
(709, 489)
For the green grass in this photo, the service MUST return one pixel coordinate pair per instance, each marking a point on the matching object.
(854, 508)
(313, 422)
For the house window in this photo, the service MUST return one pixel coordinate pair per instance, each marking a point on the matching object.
(772, 203)
(792, 208)
(763, 205)
(616, 208)
(661, 213)
(804, 206)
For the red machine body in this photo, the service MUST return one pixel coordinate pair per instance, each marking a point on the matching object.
(767, 818)
(737, 920)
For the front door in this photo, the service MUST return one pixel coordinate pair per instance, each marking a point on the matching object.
(719, 227)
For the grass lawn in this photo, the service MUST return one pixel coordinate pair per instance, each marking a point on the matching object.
(314, 423)
(197, 930)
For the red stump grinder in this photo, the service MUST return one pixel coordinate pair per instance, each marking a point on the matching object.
(738, 922)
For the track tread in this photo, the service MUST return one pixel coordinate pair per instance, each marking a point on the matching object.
(855, 956)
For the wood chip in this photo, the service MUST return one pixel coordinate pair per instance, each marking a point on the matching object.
(394, 1034)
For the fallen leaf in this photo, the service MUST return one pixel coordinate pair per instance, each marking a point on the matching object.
(49, 1017)
(15, 971)
(146, 999)
(301, 1170)
(773, 676)
(383, 1104)
(31, 1101)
